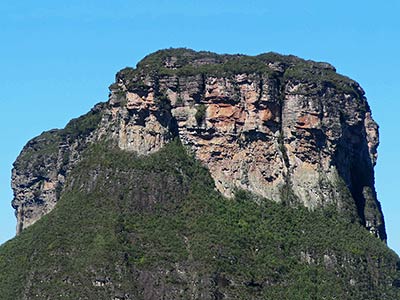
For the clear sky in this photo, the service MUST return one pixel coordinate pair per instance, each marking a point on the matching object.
(57, 59)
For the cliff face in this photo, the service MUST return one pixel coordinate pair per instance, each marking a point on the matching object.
(286, 129)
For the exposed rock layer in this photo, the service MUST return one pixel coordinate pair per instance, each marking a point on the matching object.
(281, 127)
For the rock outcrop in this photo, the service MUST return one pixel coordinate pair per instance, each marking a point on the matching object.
(283, 128)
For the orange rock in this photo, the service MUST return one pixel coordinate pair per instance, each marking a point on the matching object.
(308, 121)
(266, 115)
(221, 111)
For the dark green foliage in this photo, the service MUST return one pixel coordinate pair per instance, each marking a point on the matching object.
(127, 73)
(132, 79)
(187, 62)
(191, 63)
(42, 154)
(311, 78)
(179, 101)
(84, 125)
(305, 71)
(162, 101)
(200, 113)
(38, 150)
(156, 224)
(113, 86)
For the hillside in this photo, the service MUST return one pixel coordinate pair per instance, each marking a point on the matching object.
(155, 228)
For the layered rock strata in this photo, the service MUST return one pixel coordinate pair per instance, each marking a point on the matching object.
(283, 128)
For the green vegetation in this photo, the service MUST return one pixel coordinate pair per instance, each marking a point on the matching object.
(133, 80)
(42, 148)
(186, 62)
(82, 126)
(41, 154)
(162, 102)
(305, 71)
(157, 225)
(200, 113)
(179, 101)
(192, 63)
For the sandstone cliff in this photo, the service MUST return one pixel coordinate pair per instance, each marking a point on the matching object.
(287, 129)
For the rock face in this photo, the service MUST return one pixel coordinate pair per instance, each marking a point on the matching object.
(283, 128)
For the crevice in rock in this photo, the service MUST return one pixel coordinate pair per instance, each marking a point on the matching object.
(198, 97)
(261, 88)
(281, 137)
(286, 191)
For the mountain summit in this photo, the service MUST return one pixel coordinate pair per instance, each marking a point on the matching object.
(205, 176)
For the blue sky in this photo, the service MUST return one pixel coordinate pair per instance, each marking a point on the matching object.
(58, 58)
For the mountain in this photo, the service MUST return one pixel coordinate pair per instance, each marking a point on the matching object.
(205, 176)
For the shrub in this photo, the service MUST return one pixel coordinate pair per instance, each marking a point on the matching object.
(200, 113)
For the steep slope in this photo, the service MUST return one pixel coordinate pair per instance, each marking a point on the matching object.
(154, 227)
(280, 127)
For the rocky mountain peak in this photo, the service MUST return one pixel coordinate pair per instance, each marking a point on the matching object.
(283, 128)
